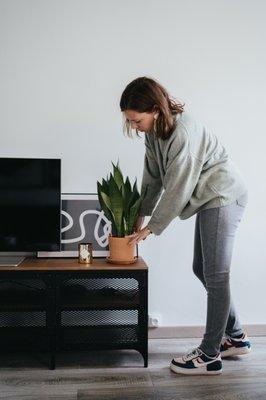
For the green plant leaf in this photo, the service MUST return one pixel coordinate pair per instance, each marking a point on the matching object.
(118, 177)
(133, 214)
(116, 204)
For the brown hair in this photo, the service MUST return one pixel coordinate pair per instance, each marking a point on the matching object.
(145, 94)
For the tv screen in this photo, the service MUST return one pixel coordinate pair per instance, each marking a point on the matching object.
(30, 204)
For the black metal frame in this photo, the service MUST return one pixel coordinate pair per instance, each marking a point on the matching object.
(61, 299)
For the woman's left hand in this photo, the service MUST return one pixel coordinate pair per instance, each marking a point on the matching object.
(140, 235)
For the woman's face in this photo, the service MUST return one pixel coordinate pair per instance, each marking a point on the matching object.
(142, 121)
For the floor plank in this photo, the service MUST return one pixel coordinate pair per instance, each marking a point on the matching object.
(120, 375)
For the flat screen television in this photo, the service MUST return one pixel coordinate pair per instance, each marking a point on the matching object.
(30, 204)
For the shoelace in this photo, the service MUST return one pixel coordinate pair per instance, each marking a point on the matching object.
(192, 354)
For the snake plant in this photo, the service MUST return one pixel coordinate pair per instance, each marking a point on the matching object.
(119, 201)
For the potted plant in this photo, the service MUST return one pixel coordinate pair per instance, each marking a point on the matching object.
(120, 203)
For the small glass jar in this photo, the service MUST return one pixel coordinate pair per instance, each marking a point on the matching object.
(85, 253)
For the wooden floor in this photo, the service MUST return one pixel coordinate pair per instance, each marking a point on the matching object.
(120, 375)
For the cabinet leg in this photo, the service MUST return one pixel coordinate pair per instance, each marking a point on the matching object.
(145, 361)
(145, 358)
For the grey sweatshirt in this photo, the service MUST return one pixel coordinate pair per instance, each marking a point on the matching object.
(190, 171)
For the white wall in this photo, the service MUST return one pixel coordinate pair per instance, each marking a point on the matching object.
(63, 66)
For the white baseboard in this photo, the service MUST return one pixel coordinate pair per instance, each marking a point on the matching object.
(175, 332)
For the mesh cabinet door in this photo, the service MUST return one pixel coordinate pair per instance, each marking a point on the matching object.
(24, 312)
(99, 311)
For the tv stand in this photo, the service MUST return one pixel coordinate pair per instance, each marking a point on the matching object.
(11, 261)
(53, 305)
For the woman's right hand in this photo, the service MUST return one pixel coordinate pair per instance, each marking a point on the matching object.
(138, 223)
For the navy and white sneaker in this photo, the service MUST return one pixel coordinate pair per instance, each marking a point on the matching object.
(196, 362)
(235, 346)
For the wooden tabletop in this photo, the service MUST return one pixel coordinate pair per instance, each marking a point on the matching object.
(71, 264)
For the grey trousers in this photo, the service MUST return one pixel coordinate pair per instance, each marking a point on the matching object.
(215, 231)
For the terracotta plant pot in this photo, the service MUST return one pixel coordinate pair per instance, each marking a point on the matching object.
(120, 251)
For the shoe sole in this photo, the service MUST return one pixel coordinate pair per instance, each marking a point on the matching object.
(235, 351)
(196, 371)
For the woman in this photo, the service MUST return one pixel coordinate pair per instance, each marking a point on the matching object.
(186, 160)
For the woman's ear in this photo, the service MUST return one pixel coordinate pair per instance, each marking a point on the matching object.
(156, 111)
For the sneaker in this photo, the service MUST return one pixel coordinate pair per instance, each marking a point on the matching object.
(196, 362)
(235, 347)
